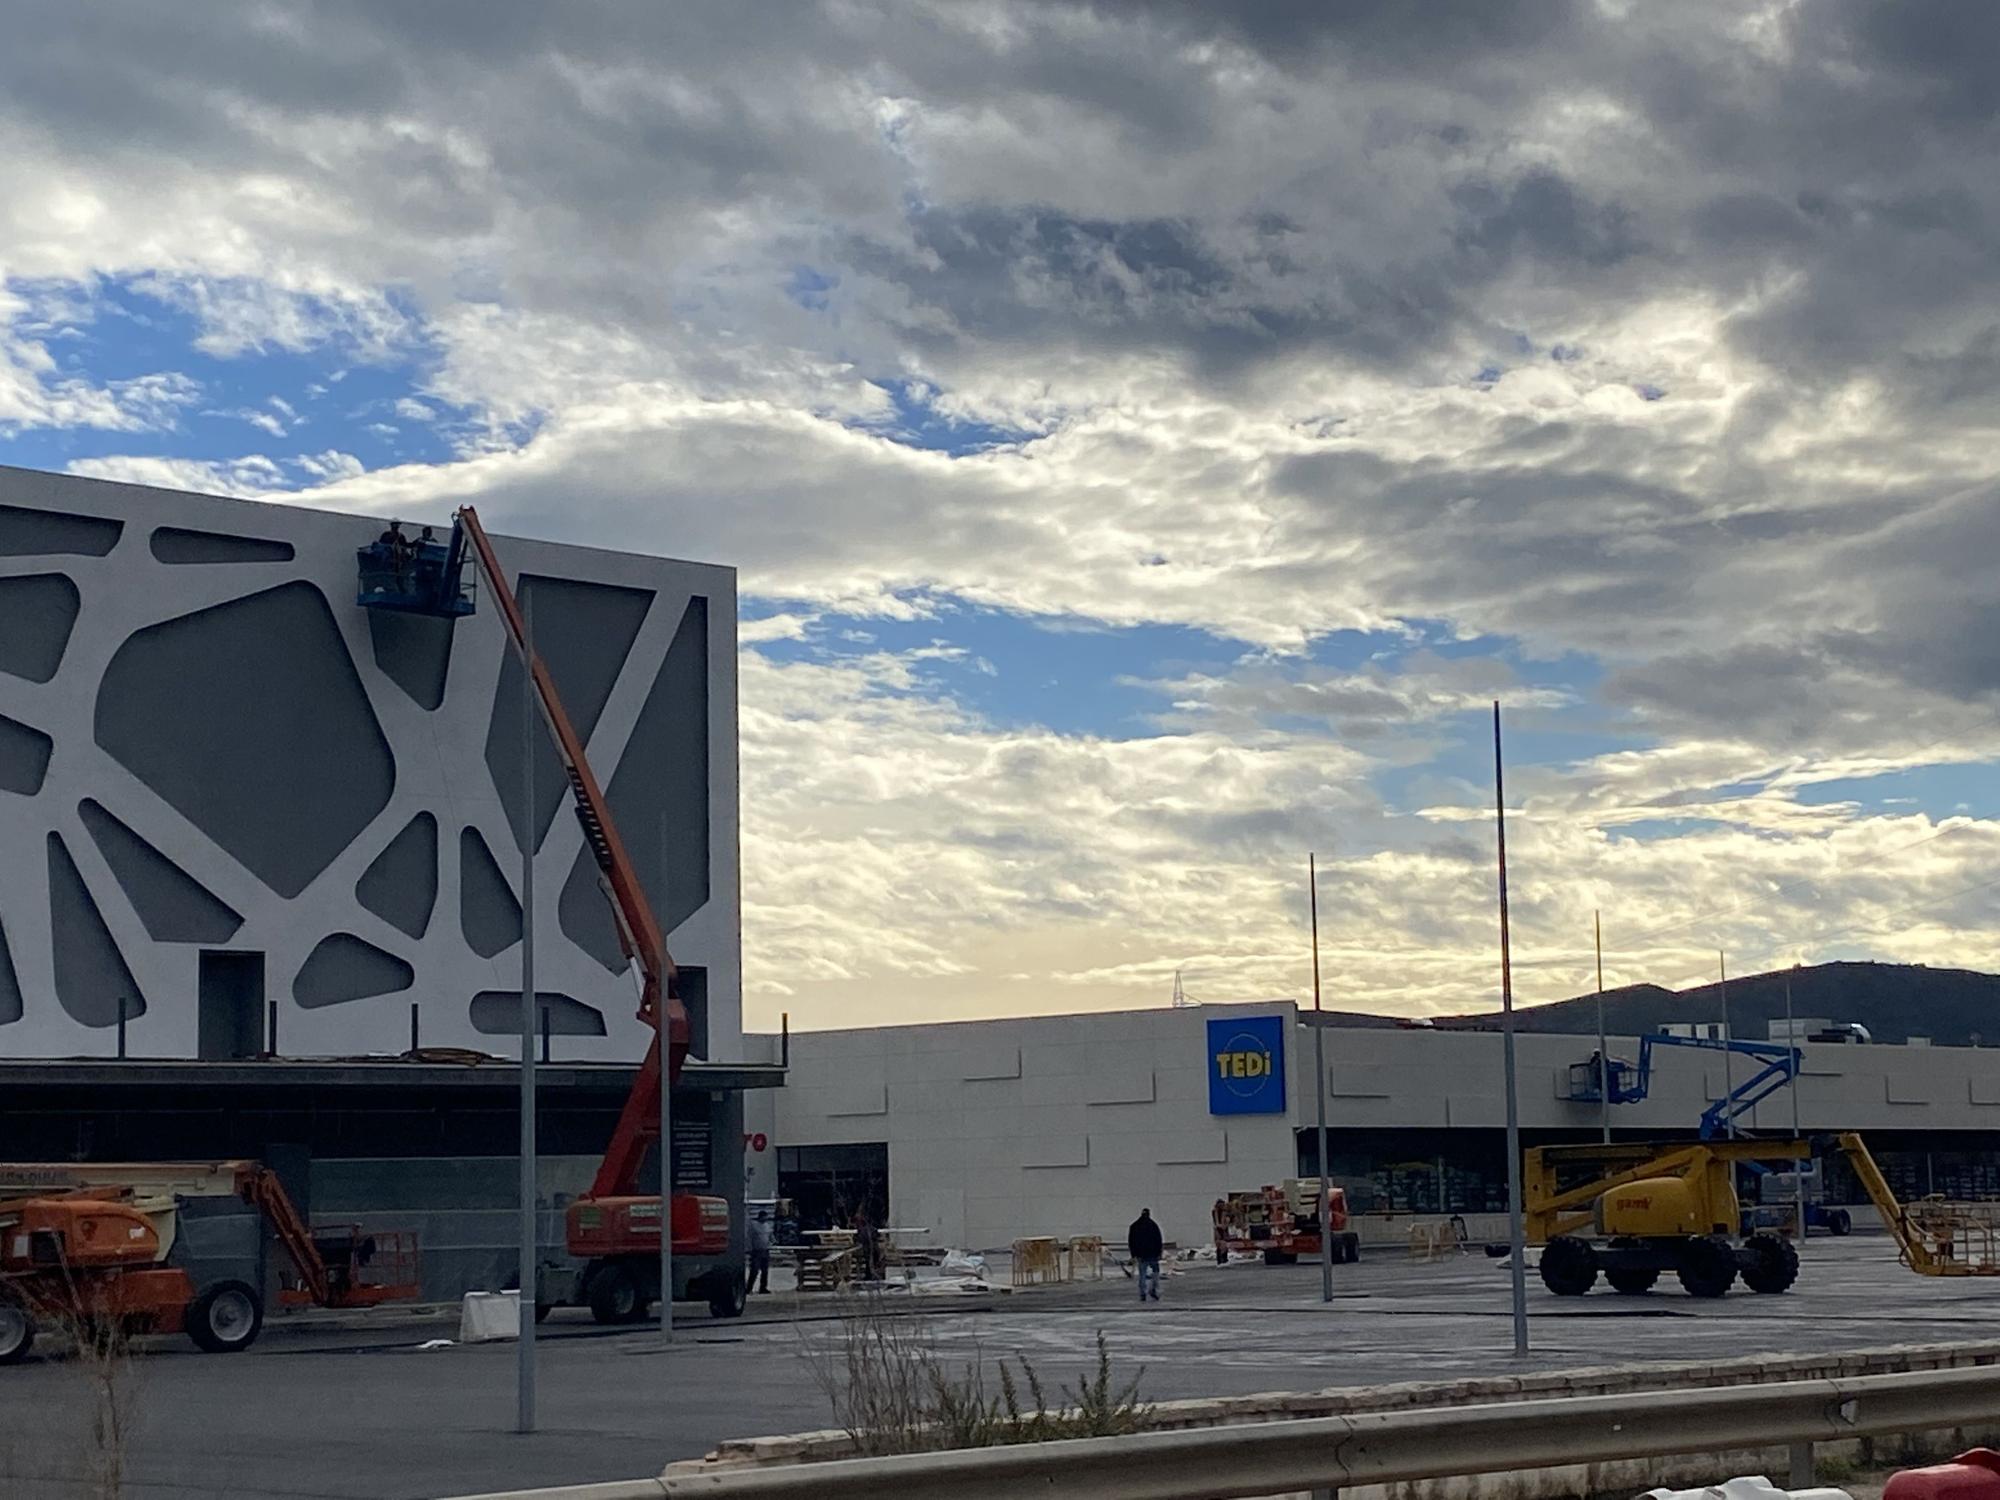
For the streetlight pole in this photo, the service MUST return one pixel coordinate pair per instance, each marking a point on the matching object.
(666, 1138)
(1603, 1052)
(530, 1250)
(1798, 1053)
(1728, 1058)
(1319, 1088)
(1517, 1238)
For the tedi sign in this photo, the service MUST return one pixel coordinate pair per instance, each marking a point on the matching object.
(1246, 1066)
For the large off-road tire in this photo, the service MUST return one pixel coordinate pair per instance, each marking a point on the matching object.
(1707, 1267)
(226, 1318)
(1773, 1263)
(17, 1332)
(728, 1294)
(1630, 1280)
(615, 1296)
(1569, 1266)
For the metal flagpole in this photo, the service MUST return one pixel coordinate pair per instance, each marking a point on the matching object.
(524, 1420)
(1603, 1054)
(1728, 1060)
(666, 1129)
(1319, 1088)
(1517, 1238)
(1798, 1168)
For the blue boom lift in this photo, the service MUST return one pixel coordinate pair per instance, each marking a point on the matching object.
(415, 575)
(1780, 1066)
(1629, 1084)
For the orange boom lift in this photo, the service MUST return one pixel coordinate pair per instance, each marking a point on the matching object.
(614, 1229)
(90, 1246)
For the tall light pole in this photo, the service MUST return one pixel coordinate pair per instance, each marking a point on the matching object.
(1603, 1053)
(1319, 1088)
(1798, 1068)
(1517, 1239)
(666, 1138)
(524, 1416)
(1728, 1057)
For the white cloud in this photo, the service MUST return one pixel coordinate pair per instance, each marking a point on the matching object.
(1656, 346)
(330, 466)
(251, 475)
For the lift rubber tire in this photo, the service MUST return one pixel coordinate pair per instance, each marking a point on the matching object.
(615, 1296)
(1279, 1258)
(17, 1333)
(226, 1318)
(1632, 1282)
(1569, 1266)
(1707, 1267)
(1629, 1280)
(1775, 1264)
(728, 1294)
(1839, 1223)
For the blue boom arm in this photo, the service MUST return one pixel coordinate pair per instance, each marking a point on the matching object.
(1780, 1066)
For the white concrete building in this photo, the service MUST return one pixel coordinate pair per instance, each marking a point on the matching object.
(227, 790)
(985, 1131)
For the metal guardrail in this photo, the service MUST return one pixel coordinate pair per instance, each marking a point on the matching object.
(1330, 1453)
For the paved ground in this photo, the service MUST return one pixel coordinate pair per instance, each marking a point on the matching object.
(360, 1412)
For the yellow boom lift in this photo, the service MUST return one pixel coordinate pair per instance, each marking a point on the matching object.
(1934, 1236)
(1631, 1211)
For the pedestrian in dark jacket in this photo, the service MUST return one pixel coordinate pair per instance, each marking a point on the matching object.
(1144, 1243)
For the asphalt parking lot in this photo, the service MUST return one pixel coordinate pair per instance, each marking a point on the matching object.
(362, 1411)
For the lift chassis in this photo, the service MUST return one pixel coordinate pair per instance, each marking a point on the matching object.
(1632, 1212)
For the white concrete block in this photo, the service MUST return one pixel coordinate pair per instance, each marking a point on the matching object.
(1192, 1146)
(484, 1317)
(1039, 1152)
(1120, 1086)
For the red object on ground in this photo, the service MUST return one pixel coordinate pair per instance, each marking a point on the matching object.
(1970, 1476)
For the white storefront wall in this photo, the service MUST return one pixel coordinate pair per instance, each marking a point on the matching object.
(1069, 1124)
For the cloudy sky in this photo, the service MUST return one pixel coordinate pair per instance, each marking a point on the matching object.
(1150, 436)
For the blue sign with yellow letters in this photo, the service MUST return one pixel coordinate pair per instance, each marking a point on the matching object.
(1246, 1066)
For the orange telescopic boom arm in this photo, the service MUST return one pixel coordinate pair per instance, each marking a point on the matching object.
(638, 932)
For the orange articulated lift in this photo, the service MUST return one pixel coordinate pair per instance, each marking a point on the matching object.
(614, 1228)
(1281, 1222)
(91, 1246)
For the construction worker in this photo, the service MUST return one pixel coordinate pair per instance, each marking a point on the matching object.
(869, 1241)
(1144, 1243)
(760, 1250)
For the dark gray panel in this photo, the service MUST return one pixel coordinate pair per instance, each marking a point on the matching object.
(175, 907)
(250, 720)
(230, 996)
(401, 886)
(10, 983)
(37, 614)
(26, 533)
(24, 757)
(415, 652)
(91, 975)
(177, 544)
(488, 914)
(498, 1013)
(659, 795)
(344, 967)
(583, 633)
